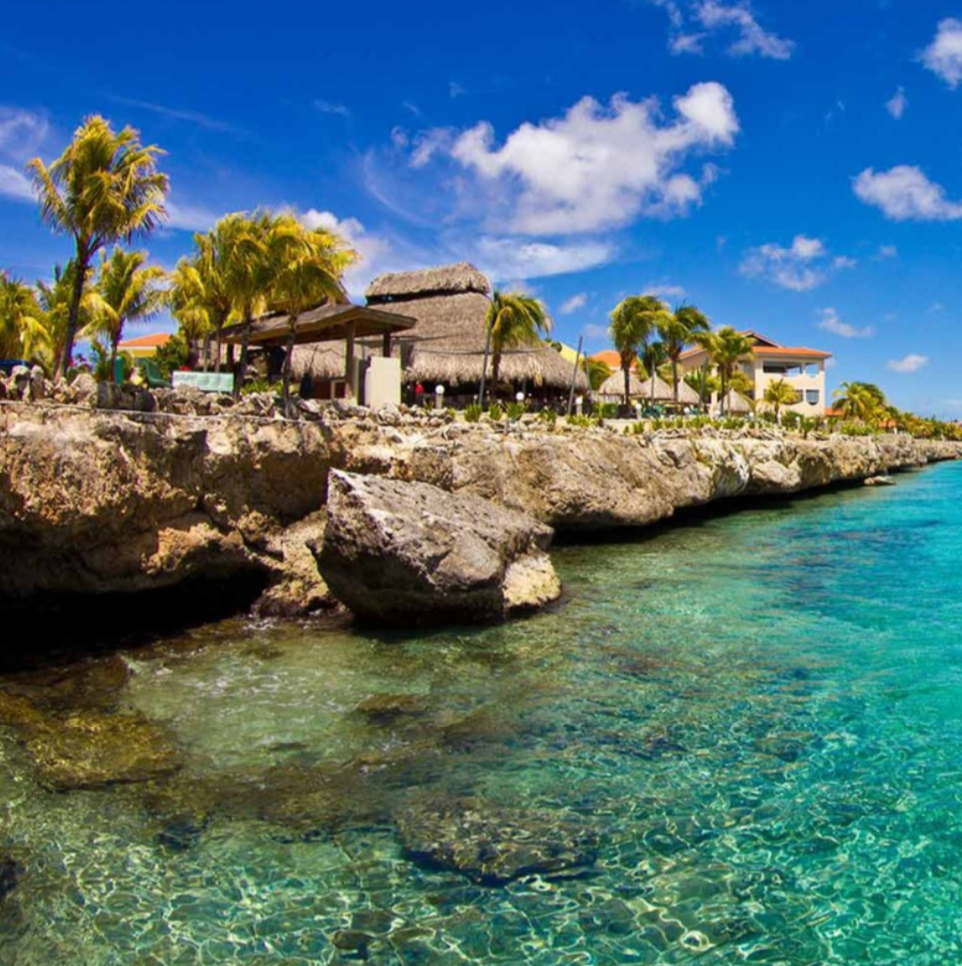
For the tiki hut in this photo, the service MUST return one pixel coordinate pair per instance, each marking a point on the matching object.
(613, 390)
(446, 346)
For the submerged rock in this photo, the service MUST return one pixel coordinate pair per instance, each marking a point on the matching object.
(492, 845)
(10, 874)
(411, 552)
(89, 748)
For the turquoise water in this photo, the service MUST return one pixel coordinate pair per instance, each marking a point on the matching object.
(759, 716)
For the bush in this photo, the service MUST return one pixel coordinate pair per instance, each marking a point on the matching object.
(516, 410)
(172, 356)
(261, 384)
(608, 410)
(472, 413)
(548, 416)
(496, 412)
(576, 420)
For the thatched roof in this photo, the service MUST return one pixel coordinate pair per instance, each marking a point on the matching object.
(322, 360)
(447, 343)
(323, 323)
(613, 388)
(442, 280)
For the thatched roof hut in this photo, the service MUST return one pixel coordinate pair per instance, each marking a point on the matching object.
(447, 344)
(613, 390)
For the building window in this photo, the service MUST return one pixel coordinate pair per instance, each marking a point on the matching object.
(811, 397)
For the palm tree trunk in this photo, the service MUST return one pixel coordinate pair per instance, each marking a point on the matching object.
(724, 394)
(674, 378)
(113, 359)
(288, 361)
(220, 329)
(624, 368)
(495, 373)
(206, 351)
(63, 364)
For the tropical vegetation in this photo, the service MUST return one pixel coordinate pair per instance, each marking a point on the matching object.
(513, 320)
(633, 321)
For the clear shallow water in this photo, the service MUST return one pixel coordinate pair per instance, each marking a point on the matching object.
(760, 716)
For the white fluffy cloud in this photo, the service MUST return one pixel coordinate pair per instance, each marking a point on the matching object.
(803, 265)
(910, 363)
(574, 303)
(904, 193)
(944, 55)
(693, 23)
(830, 322)
(189, 217)
(896, 104)
(664, 290)
(599, 167)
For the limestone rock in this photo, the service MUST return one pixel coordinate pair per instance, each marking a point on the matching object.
(410, 552)
(492, 845)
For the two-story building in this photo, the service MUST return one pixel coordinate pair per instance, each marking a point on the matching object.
(800, 367)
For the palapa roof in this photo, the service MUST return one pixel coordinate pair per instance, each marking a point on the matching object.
(324, 323)
(441, 280)
(614, 387)
(447, 343)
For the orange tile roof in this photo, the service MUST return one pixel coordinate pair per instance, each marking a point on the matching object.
(154, 340)
(787, 350)
(609, 357)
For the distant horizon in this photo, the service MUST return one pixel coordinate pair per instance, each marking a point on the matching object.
(783, 170)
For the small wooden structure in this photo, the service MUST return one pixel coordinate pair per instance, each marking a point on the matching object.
(329, 323)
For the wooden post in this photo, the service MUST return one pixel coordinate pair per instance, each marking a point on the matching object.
(349, 360)
(574, 375)
(386, 345)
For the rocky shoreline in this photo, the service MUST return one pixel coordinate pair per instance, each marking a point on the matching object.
(96, 502)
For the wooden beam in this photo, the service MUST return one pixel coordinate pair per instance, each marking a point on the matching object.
(386, 346)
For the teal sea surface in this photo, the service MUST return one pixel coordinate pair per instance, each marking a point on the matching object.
(757, 717)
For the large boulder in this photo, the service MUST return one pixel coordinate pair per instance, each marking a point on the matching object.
(413, 553)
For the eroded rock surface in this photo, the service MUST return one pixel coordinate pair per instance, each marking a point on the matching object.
(413, 553)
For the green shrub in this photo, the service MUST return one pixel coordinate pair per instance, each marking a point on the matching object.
(548, 416)
(608, 410)
(496, 412)
(261, 384)
(472, 413)
(173, 355)
(516, 410)
(576, 420)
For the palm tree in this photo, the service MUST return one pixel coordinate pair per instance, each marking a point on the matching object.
(513, 319)
(126, 291)
(307, 271)
(780, 393)
(653, 357)
(23, 331)
(104, 188)
(727, 348)
(863, 401)
(633, 320)
(55, 299)
(596, 371)
(677, 330)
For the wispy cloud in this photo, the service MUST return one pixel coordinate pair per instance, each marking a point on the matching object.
(330, 107)
(15, 184)
(189, 217)
(830, 322)
(574, 303)
(505, 258)
(664, 290)
(888, 251)
(695, 22)
(595, 331)
(803, 265)
(179, 114)
(896, 104)
(904, 193)
(456, 90)
(910, 363)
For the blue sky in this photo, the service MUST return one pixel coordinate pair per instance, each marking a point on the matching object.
(791, 167)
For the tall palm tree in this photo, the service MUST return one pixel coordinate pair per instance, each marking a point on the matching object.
(653, 357)
(513, 319)
(677, 331)
(126, 291)
(104, 188)
(23, 330)
(307, 271)
(863, 401)
(633, 320)
(596, 371)
(55, 299)
(779, 393)
(727, 348)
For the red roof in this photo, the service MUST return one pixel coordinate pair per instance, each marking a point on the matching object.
(152, 341)
(768, 347)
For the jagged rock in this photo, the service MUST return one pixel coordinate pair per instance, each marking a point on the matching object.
(492, 845)
(83, 390)
(411, 552)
